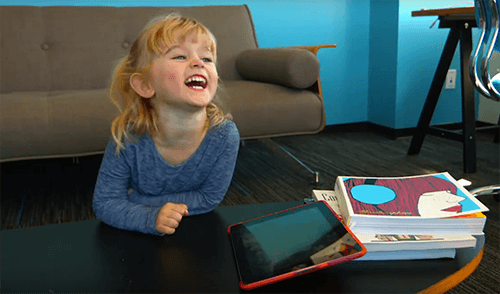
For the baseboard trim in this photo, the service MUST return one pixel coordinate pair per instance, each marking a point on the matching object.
(397, 133)
(368, 126)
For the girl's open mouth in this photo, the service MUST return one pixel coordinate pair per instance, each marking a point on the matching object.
(197, 82)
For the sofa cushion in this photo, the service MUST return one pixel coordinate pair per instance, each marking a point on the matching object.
(266, 110)
(76, 123)
(294, 68)
(71, 48)
(54, 124)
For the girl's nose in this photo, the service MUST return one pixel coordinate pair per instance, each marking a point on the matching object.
(196, 62)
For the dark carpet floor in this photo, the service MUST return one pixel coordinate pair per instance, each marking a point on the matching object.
(40, 192)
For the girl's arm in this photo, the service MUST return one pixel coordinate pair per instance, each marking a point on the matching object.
(111, 199)
(111, 204)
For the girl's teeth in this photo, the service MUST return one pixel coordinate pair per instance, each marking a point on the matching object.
(196, 79)
(196, 82)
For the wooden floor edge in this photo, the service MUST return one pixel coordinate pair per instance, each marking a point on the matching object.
(451, 281)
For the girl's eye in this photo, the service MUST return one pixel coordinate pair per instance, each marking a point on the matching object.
(180, 57)
(206, 60)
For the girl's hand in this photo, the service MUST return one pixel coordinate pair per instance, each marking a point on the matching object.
(169, 217)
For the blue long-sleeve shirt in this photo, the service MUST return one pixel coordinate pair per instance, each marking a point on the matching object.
(131, 188)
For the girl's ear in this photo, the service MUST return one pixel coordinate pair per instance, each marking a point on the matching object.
(140, 87)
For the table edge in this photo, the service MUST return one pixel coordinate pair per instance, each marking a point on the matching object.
(451, 281)
(444, 11)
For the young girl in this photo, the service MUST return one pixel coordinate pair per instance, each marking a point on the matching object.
(173, 149)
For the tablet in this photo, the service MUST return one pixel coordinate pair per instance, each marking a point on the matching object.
(290, 243)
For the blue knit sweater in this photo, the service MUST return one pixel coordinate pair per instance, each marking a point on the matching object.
(131, 188)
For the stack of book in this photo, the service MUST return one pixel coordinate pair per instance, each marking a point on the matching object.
(417, 217)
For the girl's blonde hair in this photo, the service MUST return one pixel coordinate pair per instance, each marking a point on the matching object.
(137, 113)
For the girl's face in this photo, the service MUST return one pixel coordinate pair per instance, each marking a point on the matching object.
(184, 75)
(439, 204)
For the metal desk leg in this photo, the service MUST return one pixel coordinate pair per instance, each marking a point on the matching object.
(434, 91)
(468, 102)
(497, 136)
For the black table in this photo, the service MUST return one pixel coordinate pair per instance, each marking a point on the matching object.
(90, 256)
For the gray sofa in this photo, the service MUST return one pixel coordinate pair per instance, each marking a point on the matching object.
(56, 64)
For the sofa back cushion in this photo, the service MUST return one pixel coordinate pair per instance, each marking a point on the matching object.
(71, 48)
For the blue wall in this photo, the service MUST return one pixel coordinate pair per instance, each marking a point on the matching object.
(403, 55)
(419, 49)
(383, 65)
(383, 53)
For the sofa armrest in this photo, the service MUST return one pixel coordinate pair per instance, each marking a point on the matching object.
(314, 49)
(291, 67)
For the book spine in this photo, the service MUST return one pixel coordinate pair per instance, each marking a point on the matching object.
(342, 202)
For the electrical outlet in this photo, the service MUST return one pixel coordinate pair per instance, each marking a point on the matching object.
(451, 79)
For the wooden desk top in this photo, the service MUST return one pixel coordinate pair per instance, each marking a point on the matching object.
(444, 11)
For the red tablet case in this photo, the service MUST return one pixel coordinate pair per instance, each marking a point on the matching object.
(309, 269)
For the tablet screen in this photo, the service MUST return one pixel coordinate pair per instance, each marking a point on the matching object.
(289, 241)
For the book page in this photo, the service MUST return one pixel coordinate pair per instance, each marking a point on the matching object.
(331, 198)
